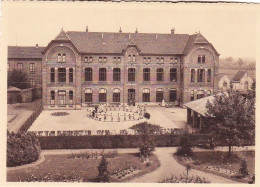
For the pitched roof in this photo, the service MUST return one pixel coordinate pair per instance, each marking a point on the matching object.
(239, 75)
(13, 89)
(19, 52)
(200, 39)
(148, 43)
(199, 105)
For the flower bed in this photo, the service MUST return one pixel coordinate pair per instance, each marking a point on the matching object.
(184, 179)
(60, 114)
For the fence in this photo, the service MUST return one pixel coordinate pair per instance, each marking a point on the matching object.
(27, 124)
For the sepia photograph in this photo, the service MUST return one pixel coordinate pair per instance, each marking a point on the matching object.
(129, 92)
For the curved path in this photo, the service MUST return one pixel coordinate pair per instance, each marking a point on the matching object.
(170, 166)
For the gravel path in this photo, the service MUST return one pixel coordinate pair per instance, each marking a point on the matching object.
(170, 166)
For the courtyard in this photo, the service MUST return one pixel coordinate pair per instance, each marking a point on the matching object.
(78, 120)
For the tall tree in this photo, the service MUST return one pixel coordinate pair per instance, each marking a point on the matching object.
(232, 118)
(18, 79)
(103, 173)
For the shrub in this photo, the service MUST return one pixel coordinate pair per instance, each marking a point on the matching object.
(103, 173)
(22, 148)
(185, 145)
(243, 168)
(147, 115)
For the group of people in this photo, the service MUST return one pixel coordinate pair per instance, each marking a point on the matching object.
(106, 112)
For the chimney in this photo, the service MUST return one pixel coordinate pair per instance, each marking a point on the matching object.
(120, 30)
(136, 31)
(37, 46)
(87, 29)
(172, 30)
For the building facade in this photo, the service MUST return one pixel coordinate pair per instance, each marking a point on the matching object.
(82, 68)
(27, 60)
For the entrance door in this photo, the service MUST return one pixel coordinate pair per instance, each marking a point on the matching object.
(61, 97)
(131, 97)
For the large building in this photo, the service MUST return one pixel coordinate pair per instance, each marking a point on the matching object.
(82, 68)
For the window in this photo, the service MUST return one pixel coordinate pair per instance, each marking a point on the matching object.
(32, 68)
(209, 75)
(192, 75)
(162, 59)
(52, 97)
(203, 59)
(52, 75)
(118, 59)
(32, 82)
(146, 95)
(116, 74)
(62, 74)
(173, 74)
(88, 74)
(59, 58)
(171, 60)
(149, 59)
(102, 74)
(64, 58)
(129, 58)
(146, 74)
(86, 59)
(114, 59)
(225, 84)
(158, 59)
(133, 58)
(200, 94)
(61, 97)
(71, 75)
(192, 95)
(246, 87)
(199, 59)
(88, 95)
(90, 59)
(173, 95)
(105, 59)
(159, 95)
(144, 59)
(116, 95)
(100, 59)
(159, 74)
(131, 75)
(19, 66)
(71, 97)
(176, 60)
(102, 95)
(201, 75)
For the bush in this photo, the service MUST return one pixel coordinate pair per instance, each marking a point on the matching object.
(243, 168)
(22, 148)
(103, 173)
(147, 115)
(185, 145)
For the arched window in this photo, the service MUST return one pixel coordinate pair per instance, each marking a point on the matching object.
(59, 57)
(131, 75)
(116, 74)
(159, 95)
(199, 59)
(203, 59)
(116, 95)
(102, 74)
(102, 95)
(146, 74)
(88, 95)
(192, 78)
(146, 95)
(88, 74)
(159, 74)
(64, 58)
(52, 97)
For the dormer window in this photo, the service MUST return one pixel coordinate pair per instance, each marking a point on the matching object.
(59, 58)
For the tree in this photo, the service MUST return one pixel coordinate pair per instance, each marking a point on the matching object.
(185, 145)
(18, 79)
(147, 116)
(146, 130)
(231, 117)
(243, 168)
(103, 173)
(240, 62)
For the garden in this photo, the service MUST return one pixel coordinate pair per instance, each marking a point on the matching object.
(83, 167)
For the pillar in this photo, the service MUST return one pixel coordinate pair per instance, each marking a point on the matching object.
(67, 76)
(56, 74)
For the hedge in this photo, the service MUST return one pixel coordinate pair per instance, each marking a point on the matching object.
(112, 141)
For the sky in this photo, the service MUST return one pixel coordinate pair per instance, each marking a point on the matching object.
(230, 28)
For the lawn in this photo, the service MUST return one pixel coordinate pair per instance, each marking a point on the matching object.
(83, 168)
(217, 162)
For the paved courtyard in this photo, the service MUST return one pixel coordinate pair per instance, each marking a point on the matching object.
(78, 120)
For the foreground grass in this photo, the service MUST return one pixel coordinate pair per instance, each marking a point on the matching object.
(200, 160)
(82, 167)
